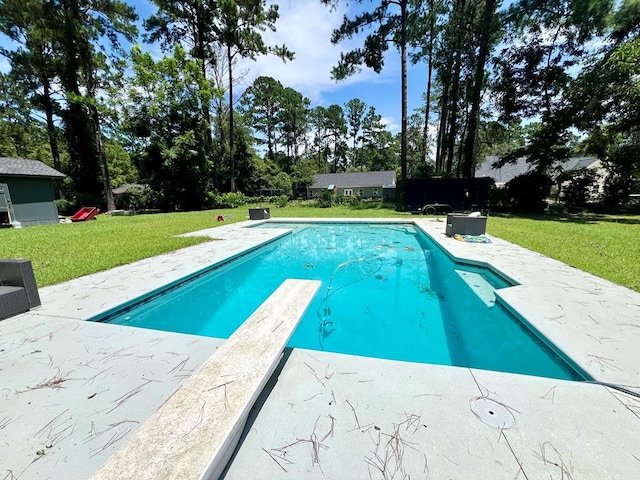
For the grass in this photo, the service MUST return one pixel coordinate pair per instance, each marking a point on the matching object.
(603, 245)
(65, 251)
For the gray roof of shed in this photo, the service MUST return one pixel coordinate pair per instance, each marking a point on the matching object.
(386, 178)
(511, 170)
(18, 167)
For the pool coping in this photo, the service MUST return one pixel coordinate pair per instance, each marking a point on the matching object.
(581, 334)
(167, 446)
(591, 320)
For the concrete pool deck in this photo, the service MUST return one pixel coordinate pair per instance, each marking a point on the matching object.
(72, 392)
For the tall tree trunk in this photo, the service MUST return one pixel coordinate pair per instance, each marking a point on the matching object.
(51, 128)
(447, 77)
(442, 128)
(335, 153)
(200, 54)
(84, 168)
(270, 153)
(468, 161)
(104, 168)
(361, 150)
(92, 83)
(425, 133)
(51, 133)
(355, 152)
(453, 118)
(403, 55)
(222, 142)
(232, 161)
(463, 136)
(455, 86)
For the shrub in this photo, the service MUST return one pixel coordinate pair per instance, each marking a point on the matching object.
(622, 161)
(278, 200)
(227, 200)
(326, 199)
(347, 200)
(424, 170)
(557, 209)
(282, 181)
(66, 207)
(578, 186)
(498, 199)
(281, 201)
(617, 188)
(131, 200)
(529, 191)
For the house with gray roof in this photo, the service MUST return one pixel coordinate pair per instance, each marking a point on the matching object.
(511, 170)
(374, 185)
(27, 194)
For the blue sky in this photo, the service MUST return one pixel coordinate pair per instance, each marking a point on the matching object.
(305, 26)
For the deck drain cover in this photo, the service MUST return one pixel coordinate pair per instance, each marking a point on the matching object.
(492, 413)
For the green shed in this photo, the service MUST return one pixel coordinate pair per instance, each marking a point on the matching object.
(27, 195)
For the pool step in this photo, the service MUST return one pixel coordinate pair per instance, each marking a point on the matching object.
(195, 432)
(481, 287)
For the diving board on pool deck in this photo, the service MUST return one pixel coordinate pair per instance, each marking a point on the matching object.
(193, 434)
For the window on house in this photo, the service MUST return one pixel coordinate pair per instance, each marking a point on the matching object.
(361, 192)
(348, 191)
(375, 192)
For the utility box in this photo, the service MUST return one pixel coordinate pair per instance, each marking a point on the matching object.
(259, 214)
(465, 225)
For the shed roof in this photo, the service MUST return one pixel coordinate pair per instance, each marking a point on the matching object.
(19, 167)
(386, 178)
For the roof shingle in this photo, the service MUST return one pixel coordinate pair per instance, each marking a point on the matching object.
(512, 170)
(355, 179)
(27, 168)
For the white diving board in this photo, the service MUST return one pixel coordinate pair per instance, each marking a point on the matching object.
(193, 434)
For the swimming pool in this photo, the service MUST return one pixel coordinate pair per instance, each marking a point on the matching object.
(387, 291)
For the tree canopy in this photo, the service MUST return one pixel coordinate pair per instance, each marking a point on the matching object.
(539, 79)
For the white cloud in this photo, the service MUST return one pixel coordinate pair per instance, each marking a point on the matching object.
(305, 27)
(390, 124)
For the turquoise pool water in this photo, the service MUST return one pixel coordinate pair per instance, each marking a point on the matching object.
(387, 291)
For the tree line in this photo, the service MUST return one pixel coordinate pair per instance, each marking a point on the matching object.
(540, 79)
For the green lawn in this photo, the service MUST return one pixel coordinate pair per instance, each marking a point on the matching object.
(65, 251)
(604, 245)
